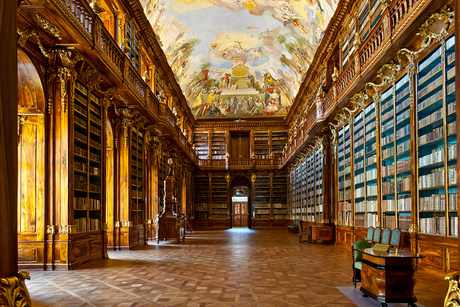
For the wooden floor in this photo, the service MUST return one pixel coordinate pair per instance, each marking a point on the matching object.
(235, 267)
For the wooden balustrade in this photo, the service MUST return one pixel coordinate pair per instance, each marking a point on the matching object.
(134, 78)
(310, 119)
(82, 13)
(345, 79)
(399, 10)
(370, 49)
(109, 47)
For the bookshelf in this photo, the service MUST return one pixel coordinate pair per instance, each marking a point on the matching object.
(280, 187)
(87, 158)
(298, 191)
(304, 192)
(218, 145)
(219, 197)
(370, 164)
(292, 200)
(262, 197)
(369, 14)
(310, 178)
(359, 169)
(436, 142)
(261, 145)
(201, 199)
(344, 176)
(279, 140)
(201, 142)
(137, 177)
(319, 185)
(162, 173)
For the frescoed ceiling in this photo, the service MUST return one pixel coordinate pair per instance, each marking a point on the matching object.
(238, 58)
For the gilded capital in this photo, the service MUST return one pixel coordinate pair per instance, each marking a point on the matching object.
(13, 291)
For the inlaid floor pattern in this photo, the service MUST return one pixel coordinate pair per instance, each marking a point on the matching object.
(236, 267)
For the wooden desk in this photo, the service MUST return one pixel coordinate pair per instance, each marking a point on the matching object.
(389, 277)
(321, 233)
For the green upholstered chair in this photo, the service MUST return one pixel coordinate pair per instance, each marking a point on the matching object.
(395, 240)
(357, 257)
(386, 236)
(370, 234)
(305, 236)
(376, 237)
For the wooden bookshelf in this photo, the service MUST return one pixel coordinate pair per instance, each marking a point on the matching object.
(279, 199)
(261, 145)
(218, 145)
(201, 142)
(262, 197)
(278, 142)
(436, 142)
(201, 196)
(219, 197)
(137, 178)
(344, 176)
(87, 171)
(318, 181)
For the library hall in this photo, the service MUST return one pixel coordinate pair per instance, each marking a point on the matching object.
(229, 153)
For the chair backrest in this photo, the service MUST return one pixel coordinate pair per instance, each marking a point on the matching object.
(361, 243)
(386, 236)
(370, 234)
(376, 238)
(395, 240)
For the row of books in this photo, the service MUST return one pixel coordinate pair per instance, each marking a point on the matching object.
(388, 187)
(436, 156)
(432, 117)
(83, 203)
(431, 136)
(404, 104)
(404, 221)
(431, 99)
(389, 221)
(388, 124)
(404, 115)
(434, 70)
(82, 225)
(434, 179)
(425, 90)
(371, 190)
(434, 225)
(435, 202)
(366, 206)
(403, 131)
(402, 147)
(344, 218)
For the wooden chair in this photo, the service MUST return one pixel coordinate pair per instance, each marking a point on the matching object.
(395, 240)
(357, 257)
(305, 236)
(376, 237)
(386, 236)
(294, 228)
(370, 234)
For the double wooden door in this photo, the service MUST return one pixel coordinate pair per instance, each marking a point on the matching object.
(240, 214)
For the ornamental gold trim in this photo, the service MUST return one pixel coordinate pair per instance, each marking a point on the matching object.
(67, 229)
(46, 25)
(413, 228)
(127, 224)
(453, 293)
(13, 291)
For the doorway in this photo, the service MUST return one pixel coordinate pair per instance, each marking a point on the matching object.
(240, 206)
(241, 201)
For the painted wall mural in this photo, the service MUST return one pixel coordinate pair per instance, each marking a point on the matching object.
(237, 58)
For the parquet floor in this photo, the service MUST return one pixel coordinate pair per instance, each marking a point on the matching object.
(236, 267)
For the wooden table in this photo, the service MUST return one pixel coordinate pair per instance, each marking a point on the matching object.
(321, 233)
(389, 277)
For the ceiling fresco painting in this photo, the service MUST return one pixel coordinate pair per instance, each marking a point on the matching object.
(237, 58)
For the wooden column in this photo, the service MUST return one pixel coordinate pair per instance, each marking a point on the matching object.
(9, 158)
(123, 166)
(152, 188)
